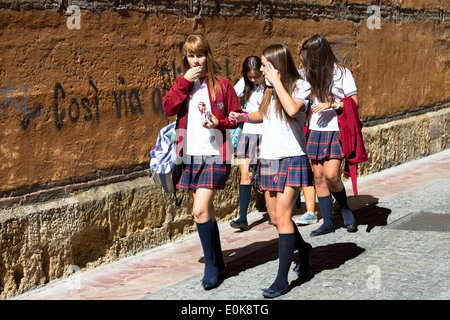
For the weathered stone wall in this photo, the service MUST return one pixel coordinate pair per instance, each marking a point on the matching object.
(399, 141)
(67, 94)
(80, 110)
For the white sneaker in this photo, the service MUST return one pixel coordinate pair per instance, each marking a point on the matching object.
(307, 218)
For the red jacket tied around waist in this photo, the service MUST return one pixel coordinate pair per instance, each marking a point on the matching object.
(350, 137)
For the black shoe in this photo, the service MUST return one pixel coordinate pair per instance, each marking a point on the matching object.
(351, 227)
(319, 232)
(239, 225)
(302, 266)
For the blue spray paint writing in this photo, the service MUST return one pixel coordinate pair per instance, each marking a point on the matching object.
(28, 114)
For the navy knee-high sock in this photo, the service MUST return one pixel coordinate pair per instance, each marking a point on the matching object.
(286, 244)
(326, 208)
(341, 198)
(303, 248)
(218, 256)
(244, 199)
(206, 234)
(299, 242)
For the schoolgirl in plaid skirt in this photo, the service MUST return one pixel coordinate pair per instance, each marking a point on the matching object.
(207, 172)
(330, 83)
(284, 164)
(249, 89)
(202, 100)
(324, 145)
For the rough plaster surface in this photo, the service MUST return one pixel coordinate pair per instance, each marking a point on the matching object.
(77, 104)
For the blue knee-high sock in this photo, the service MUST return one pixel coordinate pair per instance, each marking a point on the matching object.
(218, 256)
(326, 208)
(286, 244)
(244, 199)
(206, 234)
(341, 198)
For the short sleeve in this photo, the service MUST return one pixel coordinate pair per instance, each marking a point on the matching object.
(239, 87)
(348, 84)
(302, 92)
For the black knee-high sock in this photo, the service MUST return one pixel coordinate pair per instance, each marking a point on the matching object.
(286, 244)
(244, 199)
(218, 256)
(206, 234)
(299, 242)
(326, 208)
(341, 198)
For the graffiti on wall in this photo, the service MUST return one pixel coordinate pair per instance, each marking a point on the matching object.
(127, 99)
(78, 109)
(27, 114)
(168, 74)
(73, 110)
(66, 109)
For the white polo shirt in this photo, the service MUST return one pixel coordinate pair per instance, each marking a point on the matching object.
(199, 141)
(252, 105)
(282, 140)
(343, 86)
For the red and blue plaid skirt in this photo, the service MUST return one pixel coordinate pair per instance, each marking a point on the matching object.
(324, 144)
(204, 172)
(248, 146)
(292, 172)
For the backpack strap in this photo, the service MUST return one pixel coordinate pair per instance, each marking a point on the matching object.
(178, 202)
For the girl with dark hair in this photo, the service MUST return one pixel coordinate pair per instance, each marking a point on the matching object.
(248, 87)
(330, 82)
(284, 165)
(202, 100)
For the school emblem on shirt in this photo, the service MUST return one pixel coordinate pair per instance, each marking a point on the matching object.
(219, 104)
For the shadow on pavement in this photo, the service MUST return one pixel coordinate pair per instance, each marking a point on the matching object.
(367, 213)
(328, 257)
(322, 258)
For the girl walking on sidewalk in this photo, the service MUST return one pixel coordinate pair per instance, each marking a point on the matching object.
(248, 87)
(330, 83)
(284, 165)
(202, 100)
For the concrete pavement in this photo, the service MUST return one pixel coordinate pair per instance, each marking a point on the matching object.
(400, 251)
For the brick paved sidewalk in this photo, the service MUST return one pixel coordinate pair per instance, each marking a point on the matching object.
(399, 252)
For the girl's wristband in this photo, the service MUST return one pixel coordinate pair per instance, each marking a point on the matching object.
(247, 117)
